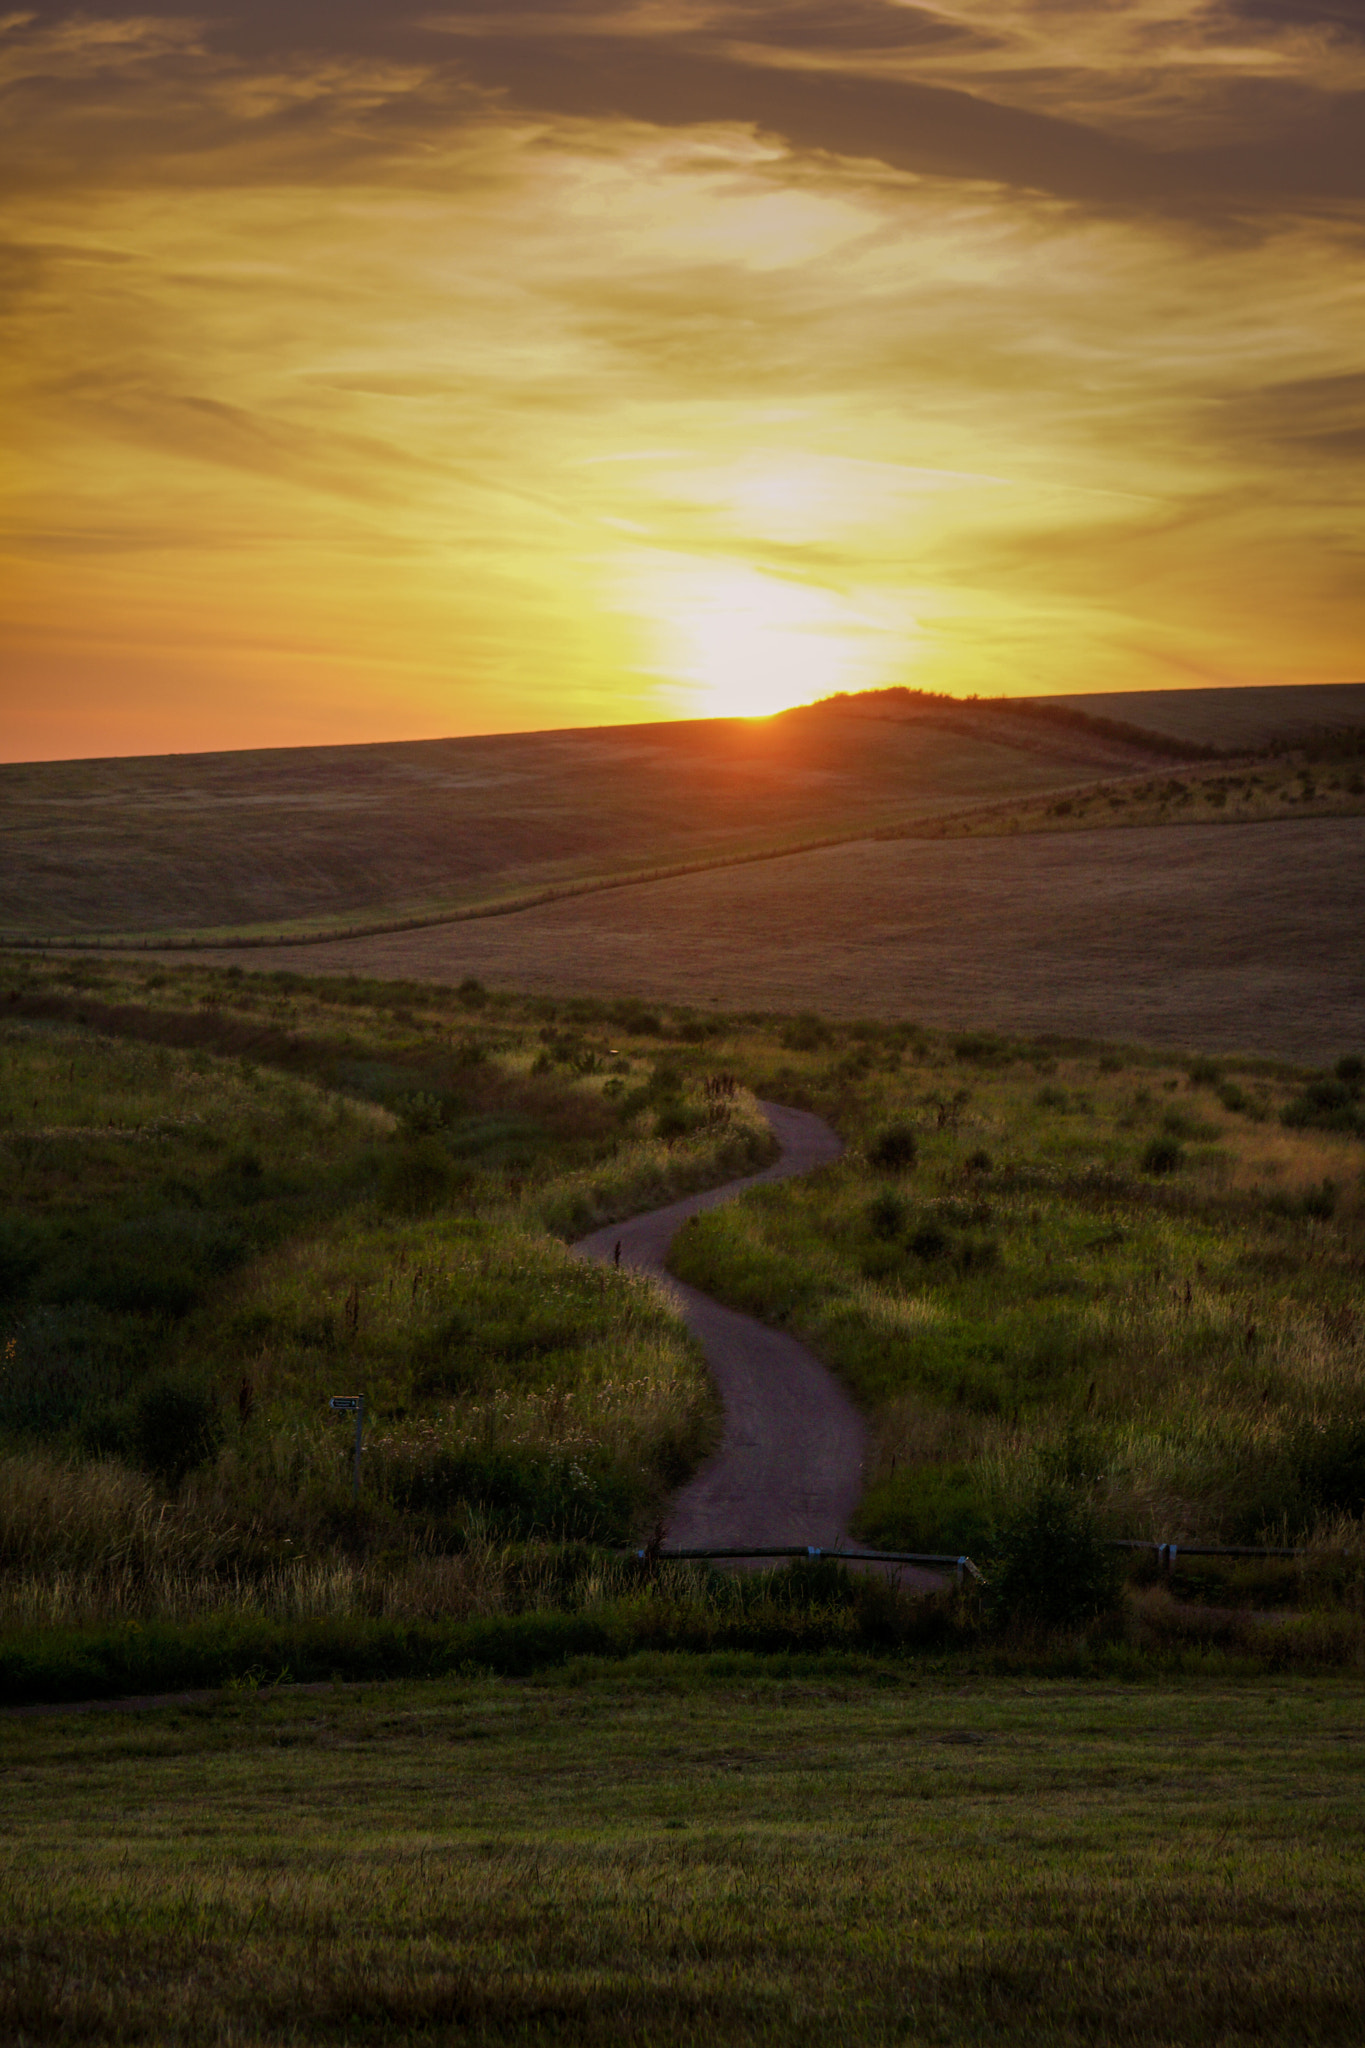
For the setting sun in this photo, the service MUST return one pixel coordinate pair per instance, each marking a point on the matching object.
(504, 371)
(735, 643)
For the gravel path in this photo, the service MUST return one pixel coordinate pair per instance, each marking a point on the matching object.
(790, 1464)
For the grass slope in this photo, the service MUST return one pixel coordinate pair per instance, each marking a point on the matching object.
(1236, 719)
(312, 838)
(228, 1197)
(223, 1204)
(1081, 1267)
(685, 1851)
(1243, 939)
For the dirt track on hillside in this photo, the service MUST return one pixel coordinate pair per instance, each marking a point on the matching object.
(1208, 937)
(790, 1464)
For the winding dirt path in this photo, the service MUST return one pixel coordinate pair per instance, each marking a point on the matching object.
(790, 1464)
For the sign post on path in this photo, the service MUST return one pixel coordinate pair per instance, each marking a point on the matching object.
(352, 1404)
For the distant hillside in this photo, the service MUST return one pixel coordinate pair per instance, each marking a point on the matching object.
(1229, 719)
(330, 837)
(292, 842)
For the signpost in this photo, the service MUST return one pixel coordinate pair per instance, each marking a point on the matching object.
(352, 1404)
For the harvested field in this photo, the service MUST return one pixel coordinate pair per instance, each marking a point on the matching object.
(1230, 719)
(327, 837)
(1243, 938)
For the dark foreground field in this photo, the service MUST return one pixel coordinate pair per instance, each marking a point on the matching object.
(692, 1850)
(1244, 937)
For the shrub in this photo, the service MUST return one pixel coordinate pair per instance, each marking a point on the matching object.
(806, 1033)
(930, 1242)
(895, 1150)
(420, 1114)
(1327, 1105)
(176, 1426)
(1163, 1155)
(1351, 1070)
(675, 1120)
(934, 1508)
(982, 1049)
(1204, 1073)
(886, 1214)
(21, 1253)
(1050, 1567)
(419, 1176)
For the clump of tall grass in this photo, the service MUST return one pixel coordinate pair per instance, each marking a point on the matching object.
(648, 1172)
(97, 1517)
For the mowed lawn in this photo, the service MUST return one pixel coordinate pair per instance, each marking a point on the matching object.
(694, 1850)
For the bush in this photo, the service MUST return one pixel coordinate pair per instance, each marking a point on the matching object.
(1328, 1105)
(931, 1508)
(176, 1426)
(676, 1120)
(1050, 1567)
(886, 1214)
(895, 1150)
(1163, 1155)
(806, 1033)
(420, 1176)
(982, 1049)
(420, 1114)
(930, 1241)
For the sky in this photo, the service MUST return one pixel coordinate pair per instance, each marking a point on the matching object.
(377, 372)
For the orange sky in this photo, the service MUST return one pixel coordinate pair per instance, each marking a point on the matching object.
(381, 373)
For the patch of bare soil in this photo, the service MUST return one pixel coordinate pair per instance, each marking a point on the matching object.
(1245, 939)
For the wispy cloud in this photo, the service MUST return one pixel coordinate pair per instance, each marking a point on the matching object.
(373, 374)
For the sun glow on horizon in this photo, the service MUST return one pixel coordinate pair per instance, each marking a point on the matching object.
(483, 404)
(736, 642)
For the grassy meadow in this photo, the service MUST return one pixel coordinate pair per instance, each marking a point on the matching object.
(225, 1202)
(1081, 1291)
(692, 1849)
(1136, 1278)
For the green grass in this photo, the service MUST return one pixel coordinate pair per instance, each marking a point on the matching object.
(1138, 1277)
(227, 1200)
(681, 1849)
(228, 1196)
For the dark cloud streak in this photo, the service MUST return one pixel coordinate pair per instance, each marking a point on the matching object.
(1307, 146)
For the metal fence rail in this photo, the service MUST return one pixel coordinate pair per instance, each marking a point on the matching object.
(931, 1560)
(1166, 1554)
